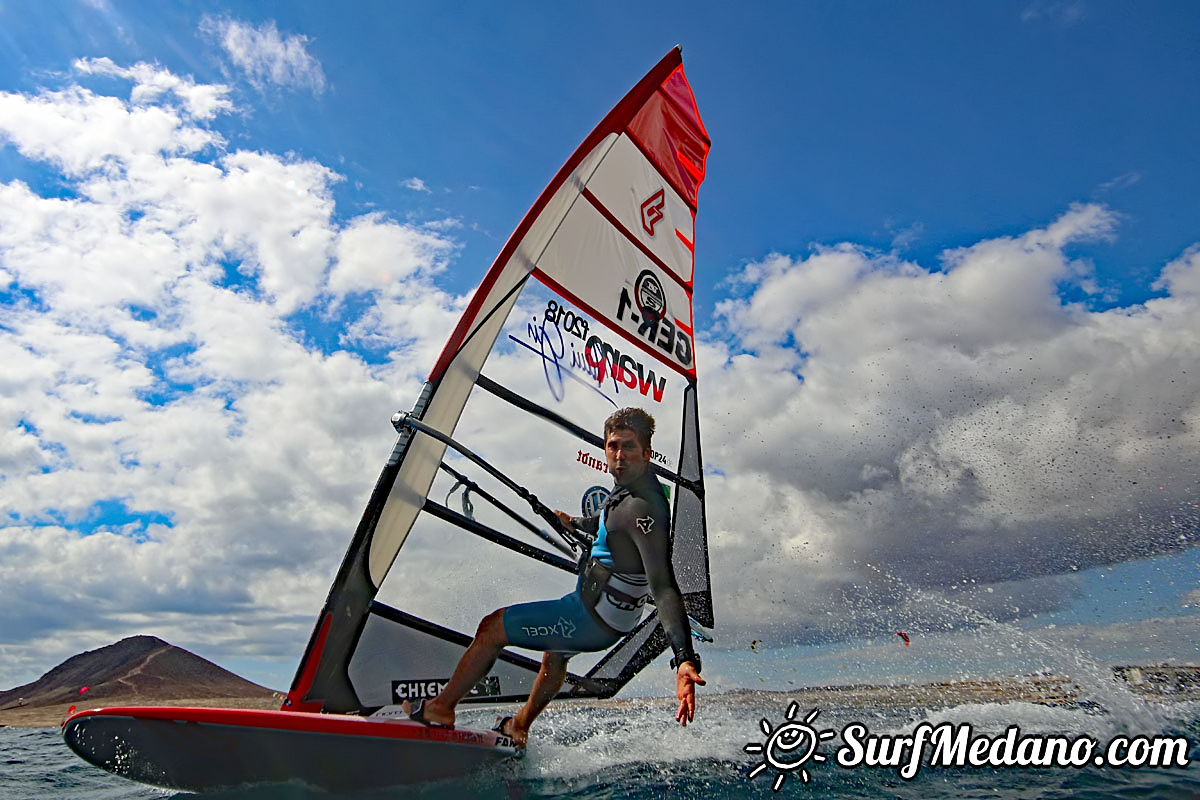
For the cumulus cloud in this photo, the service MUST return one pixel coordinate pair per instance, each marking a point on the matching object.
(182, 449)
(1182, 276)
(891, 429)
(202, 101)
(202, 356)
(48, 127)
(266, 57)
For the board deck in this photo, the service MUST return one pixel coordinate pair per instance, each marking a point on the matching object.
(211, 749)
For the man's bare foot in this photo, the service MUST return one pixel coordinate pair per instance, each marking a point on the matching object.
(427, 713)
(508, 727)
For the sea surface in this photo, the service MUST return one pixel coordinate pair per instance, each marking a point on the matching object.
(640, 752)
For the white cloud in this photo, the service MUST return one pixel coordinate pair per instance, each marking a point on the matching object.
(904, 236)
(1122, 181)
(943, 426)
(416, 184)
(1145, 641)
(357, 268)
(883, 438)
(155, 369)
(150, 83)
(79, 131)
(265, 56)
(1182, 276)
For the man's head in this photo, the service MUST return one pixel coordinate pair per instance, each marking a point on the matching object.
(627, 436)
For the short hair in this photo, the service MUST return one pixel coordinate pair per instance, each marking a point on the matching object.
(632, 419)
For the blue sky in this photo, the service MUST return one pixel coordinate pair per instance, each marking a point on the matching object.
(965, 122)
(947, 285)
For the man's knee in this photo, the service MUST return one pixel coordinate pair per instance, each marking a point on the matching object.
(491, 628)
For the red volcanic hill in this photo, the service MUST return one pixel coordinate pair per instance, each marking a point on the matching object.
(140, 669)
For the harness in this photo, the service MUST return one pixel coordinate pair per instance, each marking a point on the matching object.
(597, 580)
(596, 576)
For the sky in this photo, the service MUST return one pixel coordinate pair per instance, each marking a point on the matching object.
(947, 311)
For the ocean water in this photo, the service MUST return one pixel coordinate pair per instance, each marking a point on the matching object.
(597, 754)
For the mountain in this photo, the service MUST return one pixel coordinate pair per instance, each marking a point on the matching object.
(137, 670)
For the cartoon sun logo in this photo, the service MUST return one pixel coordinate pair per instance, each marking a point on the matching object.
(789, 747)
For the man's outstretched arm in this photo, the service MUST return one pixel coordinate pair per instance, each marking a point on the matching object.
(653, 544)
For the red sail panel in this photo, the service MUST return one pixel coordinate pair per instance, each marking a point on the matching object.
(677, 88)
(617, 120)
(674, 139)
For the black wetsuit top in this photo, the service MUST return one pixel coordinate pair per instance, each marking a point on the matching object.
(639, 537)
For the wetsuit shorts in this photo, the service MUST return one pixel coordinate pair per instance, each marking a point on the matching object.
(563, 626)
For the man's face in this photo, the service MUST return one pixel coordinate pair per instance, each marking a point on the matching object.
(627, 458)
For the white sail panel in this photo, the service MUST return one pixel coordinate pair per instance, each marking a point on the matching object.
(488, 311)
(595, 263)
(646, 206)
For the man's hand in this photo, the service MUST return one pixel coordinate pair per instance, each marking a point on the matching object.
(686, 680)
(565, 519)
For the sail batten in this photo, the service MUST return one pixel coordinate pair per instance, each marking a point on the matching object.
(587, 308)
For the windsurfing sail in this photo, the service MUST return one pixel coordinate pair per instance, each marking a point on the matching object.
(588, 308)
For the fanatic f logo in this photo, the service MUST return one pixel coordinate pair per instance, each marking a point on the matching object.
(652, 211)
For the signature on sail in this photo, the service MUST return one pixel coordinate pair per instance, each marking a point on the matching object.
(596, 364)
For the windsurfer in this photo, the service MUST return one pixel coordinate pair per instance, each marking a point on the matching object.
(630, 559)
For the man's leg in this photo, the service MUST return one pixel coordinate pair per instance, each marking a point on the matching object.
(549, 680)
(489, 640)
